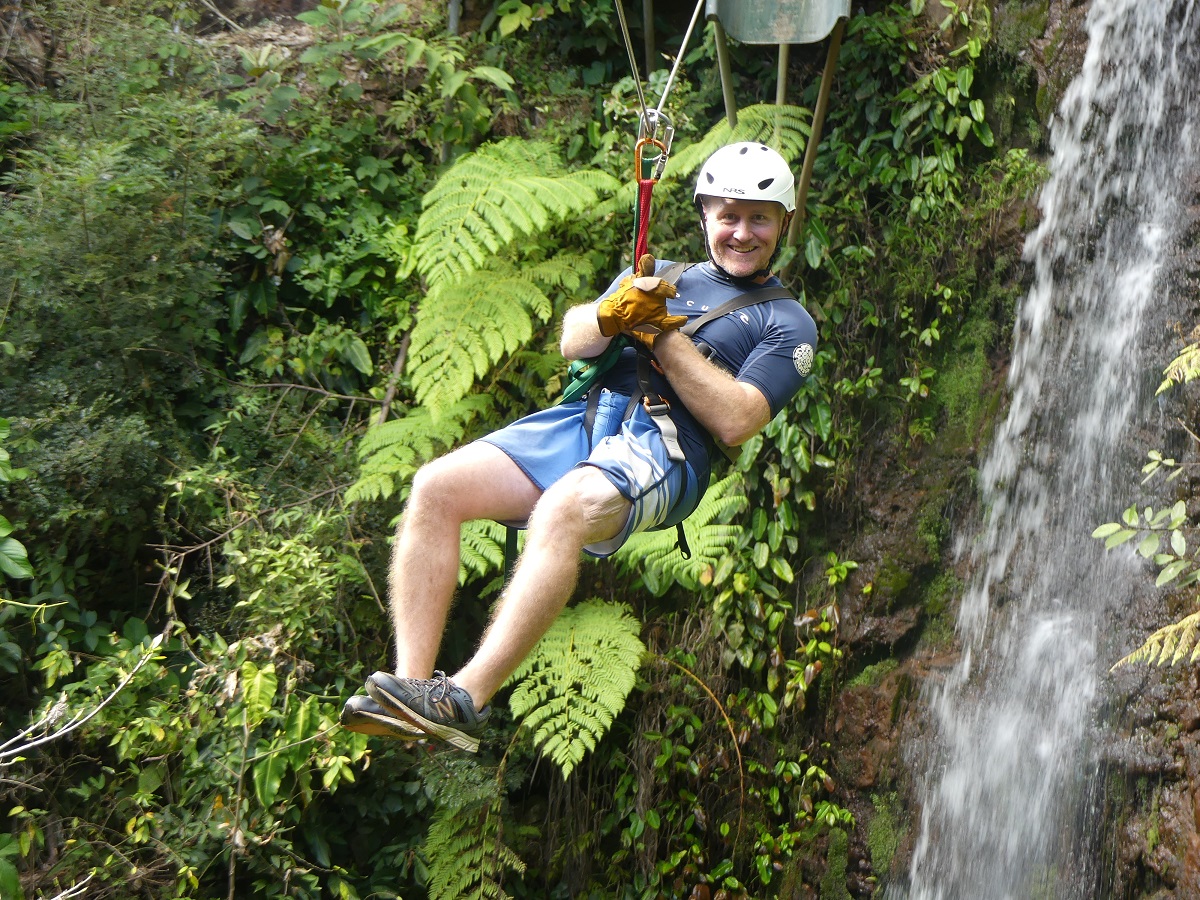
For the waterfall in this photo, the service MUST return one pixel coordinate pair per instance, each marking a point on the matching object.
(1008, 770)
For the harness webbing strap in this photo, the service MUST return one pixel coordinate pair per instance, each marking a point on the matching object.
(642, 239)
(659, 409)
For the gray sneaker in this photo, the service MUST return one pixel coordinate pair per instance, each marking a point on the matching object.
(436, 705)
(363, 715)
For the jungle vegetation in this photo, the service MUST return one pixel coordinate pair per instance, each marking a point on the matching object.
(255, 273)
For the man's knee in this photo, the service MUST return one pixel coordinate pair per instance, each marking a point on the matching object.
(583, 498)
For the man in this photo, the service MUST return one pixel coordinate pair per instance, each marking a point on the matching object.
(577, 488)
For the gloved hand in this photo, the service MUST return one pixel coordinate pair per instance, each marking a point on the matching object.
(639, 303)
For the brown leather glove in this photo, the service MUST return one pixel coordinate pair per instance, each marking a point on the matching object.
(639, 303)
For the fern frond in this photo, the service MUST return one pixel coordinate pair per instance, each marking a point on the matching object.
(576, 680)
(482, 549)
(390, 453)
(786, 128)
(463, 329)
(1182, 369)
(655, 554)
(1168, 645)
(489, 198)
(464, 848)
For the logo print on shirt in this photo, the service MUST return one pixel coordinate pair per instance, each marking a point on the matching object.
(802, 358)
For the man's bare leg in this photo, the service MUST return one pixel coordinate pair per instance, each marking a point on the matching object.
(581, 508)
(478, 481)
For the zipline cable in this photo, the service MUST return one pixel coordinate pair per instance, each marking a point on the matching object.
(647, 170)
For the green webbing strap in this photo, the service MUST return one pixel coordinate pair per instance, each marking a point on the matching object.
(510, 550)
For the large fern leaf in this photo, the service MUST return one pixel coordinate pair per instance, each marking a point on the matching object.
(390, 453)
(576, 680)
(485, 201)
(482, 549)
(464, 328)
(464, 847)
(786, 128)
(655, 553)
(1169, 645)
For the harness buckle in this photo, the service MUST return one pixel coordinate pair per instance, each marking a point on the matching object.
(661, 408)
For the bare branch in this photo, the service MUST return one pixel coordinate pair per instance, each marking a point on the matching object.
(7, 755)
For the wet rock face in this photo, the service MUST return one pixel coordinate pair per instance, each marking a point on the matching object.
(1152, 758)
(1152, 762)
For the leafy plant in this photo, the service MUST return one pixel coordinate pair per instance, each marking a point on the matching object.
(575, 681)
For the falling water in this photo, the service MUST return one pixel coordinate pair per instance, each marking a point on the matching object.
(1004, 795)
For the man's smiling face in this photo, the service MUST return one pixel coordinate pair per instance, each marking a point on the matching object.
(742, 234)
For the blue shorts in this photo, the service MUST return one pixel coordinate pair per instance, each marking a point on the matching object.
(631, 454)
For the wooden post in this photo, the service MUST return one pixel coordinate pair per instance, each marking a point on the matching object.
(648, 35)
(726, 74)
(810, 152)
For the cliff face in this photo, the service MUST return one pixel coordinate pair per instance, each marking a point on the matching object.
(899, 608)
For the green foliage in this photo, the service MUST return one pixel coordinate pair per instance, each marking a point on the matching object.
(1169, 645)
(464, 328)
(1164, 538)
(14, 558)
(575, 681)
(786, 128)
(491, 198)
(1172, 557)
(655, 554)
(465, 850)
(1182, 369)
(393, 451)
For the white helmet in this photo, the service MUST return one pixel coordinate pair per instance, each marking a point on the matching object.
(747, 171)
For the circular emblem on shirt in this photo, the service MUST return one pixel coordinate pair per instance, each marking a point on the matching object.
(802, 357)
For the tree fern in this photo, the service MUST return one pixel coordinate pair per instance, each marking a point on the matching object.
(1169, 645)
(464, 328)
(786, 128)
(655, 553)
(575, 682)
(464, 848)
(490, 198)
(482, 549)
(390, 453)
(1183, 368)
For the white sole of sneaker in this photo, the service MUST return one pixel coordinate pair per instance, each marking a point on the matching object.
(451, 736)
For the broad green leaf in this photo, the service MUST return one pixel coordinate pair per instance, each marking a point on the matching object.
(268, 775)
(258, 688)
(1130, 517)
(14, 559)
(359, 355)
(498, 77)
(1119, 538)
(10, 881)
(761, 555)
(782, 569)
(965, 77)
(1171, 572)
(1149, 545)
(1178, 543)
(303, 721)
(1106, 529)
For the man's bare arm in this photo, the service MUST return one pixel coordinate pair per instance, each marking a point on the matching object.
(732, 411)
(581, 337)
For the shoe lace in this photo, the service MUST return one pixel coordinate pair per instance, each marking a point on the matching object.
(439, 683)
